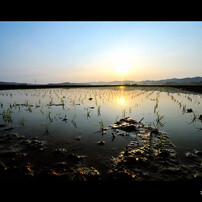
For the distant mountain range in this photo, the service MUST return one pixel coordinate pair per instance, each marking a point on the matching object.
(173, 81)
(185, 81)
(12, 83)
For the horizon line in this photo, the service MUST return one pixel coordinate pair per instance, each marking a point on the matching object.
(101, 81)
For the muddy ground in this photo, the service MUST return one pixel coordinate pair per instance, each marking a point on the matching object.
(150, 156)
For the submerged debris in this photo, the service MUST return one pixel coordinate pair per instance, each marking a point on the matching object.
(65, 118)
(189, 110)
(113, 135)
(8, 129)
(78, 138)
(102, 142)
(60, 151)
(2, 125)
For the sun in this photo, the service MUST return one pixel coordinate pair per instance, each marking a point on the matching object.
(122, 69)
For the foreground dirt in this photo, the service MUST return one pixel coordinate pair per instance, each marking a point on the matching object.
(150, 156)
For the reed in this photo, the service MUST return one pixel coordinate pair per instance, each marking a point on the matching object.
(22, 122)
(6, 115)
(155, 107)
(124, 113)
(116, 119)
(157, 126)
(184, 108)
(88, 113)
(46, 127)
(49, 116)
(62, 102)
(26, 102)
(159, 118)
(98, 110)
(41, 111)
(51, 101)
(194, 117)
(101, 125)
(29, 108)
(74, 118)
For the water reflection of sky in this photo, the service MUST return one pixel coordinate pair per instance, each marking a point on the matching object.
(107, 104)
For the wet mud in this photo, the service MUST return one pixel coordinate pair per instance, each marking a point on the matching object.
(150, 156)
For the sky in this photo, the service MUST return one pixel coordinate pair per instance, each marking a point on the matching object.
(89, 51)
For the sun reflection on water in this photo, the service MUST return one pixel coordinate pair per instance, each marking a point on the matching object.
(121, 100)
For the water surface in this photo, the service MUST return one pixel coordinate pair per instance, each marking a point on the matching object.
(69, 113)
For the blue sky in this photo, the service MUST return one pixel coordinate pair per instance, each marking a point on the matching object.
(92, 51)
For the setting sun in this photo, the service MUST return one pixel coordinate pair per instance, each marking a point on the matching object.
(122, 69)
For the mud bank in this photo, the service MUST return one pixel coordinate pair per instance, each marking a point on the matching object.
(150, 156)
(32, 159)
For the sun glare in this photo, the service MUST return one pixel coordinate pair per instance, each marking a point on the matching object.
(122, 69)
(121, 100)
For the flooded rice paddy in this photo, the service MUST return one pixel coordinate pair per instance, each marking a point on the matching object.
(78, 119)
